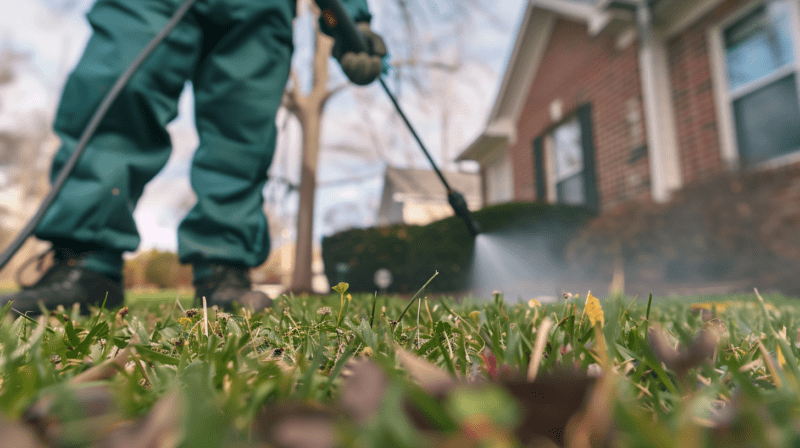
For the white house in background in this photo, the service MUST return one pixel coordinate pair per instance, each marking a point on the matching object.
(414, 196)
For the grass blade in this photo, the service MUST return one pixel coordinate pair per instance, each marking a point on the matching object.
(372, 316)
(411, 302)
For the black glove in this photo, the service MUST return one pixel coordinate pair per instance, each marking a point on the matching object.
(362, 68)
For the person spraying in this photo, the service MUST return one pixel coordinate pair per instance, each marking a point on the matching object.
(237, 55)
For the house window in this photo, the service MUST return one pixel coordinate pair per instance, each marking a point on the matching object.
(565, 167)
(564, 162)
(762, 78)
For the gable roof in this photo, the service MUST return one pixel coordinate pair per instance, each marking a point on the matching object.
(532, 39)
(425, 185)
(650, 22)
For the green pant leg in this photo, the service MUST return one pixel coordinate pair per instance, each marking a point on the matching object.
(131, 145)
(238, 88)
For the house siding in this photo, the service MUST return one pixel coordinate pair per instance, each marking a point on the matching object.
(578, 69)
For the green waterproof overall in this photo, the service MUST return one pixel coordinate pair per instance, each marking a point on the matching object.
(237, 55)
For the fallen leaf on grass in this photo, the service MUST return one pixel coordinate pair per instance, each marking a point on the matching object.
(546, 405)
(593, 310)
(73, 414)
(680, 361)
(296, 425)
(161, 428)
(88, 416)
(549, 403)
(590, 428)
(363, 390)
(16, 435)
(432, 379)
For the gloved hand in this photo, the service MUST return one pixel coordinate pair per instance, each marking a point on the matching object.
(362, 68)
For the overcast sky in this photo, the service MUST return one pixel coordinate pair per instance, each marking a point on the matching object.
(55, 41)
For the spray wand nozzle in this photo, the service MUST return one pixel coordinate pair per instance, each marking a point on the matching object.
(459, 205)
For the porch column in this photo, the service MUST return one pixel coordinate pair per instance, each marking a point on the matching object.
(665, 174)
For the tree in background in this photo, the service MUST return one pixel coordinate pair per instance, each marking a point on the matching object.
(418, 56)
(24, 179)
(307, 107)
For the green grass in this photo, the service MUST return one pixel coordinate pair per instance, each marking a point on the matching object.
(448, 373)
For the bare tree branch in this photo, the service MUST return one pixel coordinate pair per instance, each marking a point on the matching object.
(335, 90)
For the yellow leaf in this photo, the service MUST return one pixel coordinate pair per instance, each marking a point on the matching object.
(593, 309)
(709, 306)
(475, 315)
(781, 359)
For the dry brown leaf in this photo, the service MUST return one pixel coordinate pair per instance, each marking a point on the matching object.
(680, 361)
(549, 403)
(161, 428)
(432, 379)
(97, 407)
(17, 435)
(363, 390)
(591, 427)
(295, 425)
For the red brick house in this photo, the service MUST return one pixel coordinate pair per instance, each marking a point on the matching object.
(605, 102)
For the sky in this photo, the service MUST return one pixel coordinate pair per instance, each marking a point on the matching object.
(355, 144)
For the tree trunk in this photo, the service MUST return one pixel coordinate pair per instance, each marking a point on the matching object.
(303, 275)
(308, 109)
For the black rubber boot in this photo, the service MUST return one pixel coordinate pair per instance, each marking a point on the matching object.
(66, 283)
(227, 285)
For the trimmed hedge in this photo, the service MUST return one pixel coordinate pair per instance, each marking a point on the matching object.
(413, 253)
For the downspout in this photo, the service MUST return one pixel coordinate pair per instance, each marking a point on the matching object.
(665, 175)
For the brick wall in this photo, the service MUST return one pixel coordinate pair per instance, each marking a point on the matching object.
(693, 96)
(577, 69)
(738, 230)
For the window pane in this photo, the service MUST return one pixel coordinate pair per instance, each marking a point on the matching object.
(768, 121)
(759, 43)
(568, 149)
(570, 191)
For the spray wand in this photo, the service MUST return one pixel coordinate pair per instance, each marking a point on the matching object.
(342, 26)
(334, 16)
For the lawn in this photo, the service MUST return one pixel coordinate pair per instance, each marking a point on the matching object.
(377, 371)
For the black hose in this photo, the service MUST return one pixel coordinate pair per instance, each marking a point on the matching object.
(89, 131)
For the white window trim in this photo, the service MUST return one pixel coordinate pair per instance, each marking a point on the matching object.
(726, 127)
(550, 160)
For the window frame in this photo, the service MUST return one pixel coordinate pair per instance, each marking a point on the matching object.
(544, 164)
(552, 180)
(724, 97)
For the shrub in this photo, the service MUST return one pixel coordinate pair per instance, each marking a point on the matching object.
(412, 253)
(163, 270)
